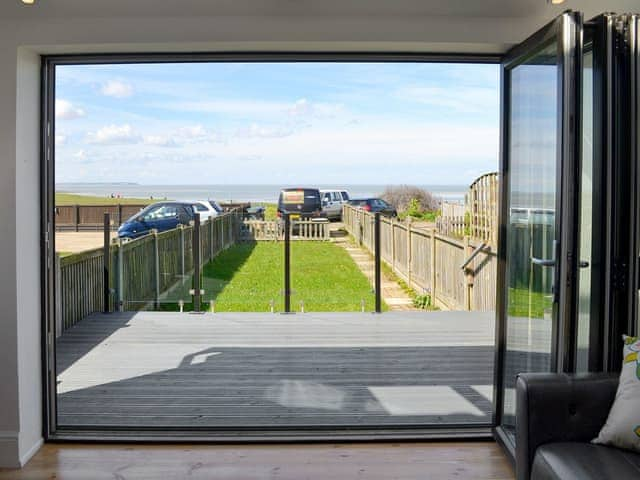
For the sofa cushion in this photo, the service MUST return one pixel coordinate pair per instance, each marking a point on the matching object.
(622, 428)
(584, 461)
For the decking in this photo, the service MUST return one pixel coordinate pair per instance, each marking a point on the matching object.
(154, 369)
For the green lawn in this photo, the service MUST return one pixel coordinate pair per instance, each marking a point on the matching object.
(270, 210)
(248, 276)
(523, 303)
(75, 199)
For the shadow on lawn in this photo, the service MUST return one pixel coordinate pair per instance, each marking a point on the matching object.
(216, 275)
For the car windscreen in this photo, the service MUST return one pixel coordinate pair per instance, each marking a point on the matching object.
(357, 202)
(215, 206)
(200, 208)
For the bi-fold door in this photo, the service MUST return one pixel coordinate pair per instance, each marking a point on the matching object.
(568, 187)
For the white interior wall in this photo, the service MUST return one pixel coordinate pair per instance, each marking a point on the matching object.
(24, 39)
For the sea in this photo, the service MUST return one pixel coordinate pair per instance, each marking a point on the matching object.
(238, 193)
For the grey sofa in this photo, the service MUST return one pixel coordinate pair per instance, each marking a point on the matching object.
(557, 416)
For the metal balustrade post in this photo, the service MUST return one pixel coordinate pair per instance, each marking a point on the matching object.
(106, 260)
(378, 279)
(287, 263)
(120, 275)
(156, 255)
(196, 264)
(182, 271)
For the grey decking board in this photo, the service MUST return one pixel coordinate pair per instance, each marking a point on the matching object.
(347, 352)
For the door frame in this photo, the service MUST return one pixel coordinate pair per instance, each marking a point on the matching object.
(55, 432)
(566, 30)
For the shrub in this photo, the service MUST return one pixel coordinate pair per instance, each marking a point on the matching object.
(422, 301)
(404, 197)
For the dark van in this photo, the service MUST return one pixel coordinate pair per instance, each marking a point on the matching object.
(300, 203)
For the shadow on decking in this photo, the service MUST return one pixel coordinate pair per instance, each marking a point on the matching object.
(218, 387)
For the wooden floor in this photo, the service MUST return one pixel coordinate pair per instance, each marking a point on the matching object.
(153, 369)
(433, 461)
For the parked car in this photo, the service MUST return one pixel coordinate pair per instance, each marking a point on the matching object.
(300, 203)
(375, 205)
(160, 216)
(254, 213)
(332, 202)
(205, 209)
(216, 206)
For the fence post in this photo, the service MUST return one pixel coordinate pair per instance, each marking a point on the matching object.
(156, 255)
(211, 245)
(106, 263)
(120, 275)
(393, 244)
(433, 266)
(76, 214)
(468, 276)
(378, 279)
(409, 220)
(223, 242)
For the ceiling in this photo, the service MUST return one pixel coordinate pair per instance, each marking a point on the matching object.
(460, 26)
(14, 9)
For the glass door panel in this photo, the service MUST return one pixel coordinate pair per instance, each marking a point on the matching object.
(537, 144)
(531, 231)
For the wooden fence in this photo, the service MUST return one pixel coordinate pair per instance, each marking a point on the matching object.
(482, 205)
(452, 220)
(478, 217)
(430, 262)
(141, 270)
(90, 217)
(273, 230)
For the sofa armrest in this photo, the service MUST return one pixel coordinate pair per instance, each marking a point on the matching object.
(559, 408)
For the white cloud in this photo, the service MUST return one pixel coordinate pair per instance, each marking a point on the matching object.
(301, 108)
(65, 110)
(159, 141)
(80, 155)
(60, 139)
(462, 99)
(113, 135)
(261, 131)
(305, 109)
(192, 132)
(117, 89)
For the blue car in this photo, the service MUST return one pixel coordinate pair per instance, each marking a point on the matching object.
(160, 216)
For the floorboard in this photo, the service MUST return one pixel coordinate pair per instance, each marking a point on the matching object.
(373, 461)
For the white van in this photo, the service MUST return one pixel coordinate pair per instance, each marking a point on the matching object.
(332, 202)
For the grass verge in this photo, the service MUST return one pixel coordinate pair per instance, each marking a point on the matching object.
(76, 199)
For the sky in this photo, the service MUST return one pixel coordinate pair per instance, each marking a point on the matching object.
(277, 123)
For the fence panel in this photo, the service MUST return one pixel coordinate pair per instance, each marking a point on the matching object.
(421, 259)
(141, 269)
(82, 290)
(260, 230)
(430, 262)
(450, 279)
